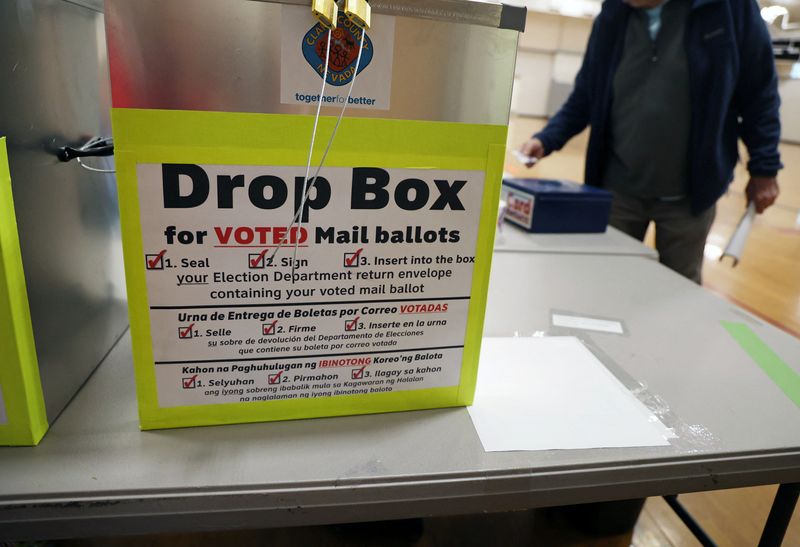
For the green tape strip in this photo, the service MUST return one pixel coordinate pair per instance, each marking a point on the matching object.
(19, 368)
(779, 372)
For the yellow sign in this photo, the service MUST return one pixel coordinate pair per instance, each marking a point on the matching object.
(23, 420)
(252, 301)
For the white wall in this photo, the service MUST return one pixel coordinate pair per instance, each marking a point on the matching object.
(532, 83)
(790, 110)
(550, 54)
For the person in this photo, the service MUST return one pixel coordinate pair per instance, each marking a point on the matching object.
(668, 88)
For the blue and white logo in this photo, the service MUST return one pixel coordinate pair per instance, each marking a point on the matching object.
(345, 40)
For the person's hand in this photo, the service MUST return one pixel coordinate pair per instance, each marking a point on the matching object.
(763, 191)
(533, 148)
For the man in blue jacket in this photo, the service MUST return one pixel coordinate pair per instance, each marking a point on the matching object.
(668, 87)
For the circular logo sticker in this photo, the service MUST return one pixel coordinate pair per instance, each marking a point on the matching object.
(345, 40)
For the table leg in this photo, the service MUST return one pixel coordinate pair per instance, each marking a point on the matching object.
(693, 526)
(780, 515)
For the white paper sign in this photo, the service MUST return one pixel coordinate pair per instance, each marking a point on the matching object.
(375, 301)
(303, 47)
(553, 393)
(735, 247)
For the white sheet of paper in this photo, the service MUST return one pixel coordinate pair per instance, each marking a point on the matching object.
(587, 323)
(523, 159)
(738, 240)
(553, 393)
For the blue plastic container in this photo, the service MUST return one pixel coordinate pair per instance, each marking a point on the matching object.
(556, 206)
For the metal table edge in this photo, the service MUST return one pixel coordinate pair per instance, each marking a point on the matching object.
(716, 469)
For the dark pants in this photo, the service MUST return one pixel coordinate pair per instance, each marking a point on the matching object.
(680, 235)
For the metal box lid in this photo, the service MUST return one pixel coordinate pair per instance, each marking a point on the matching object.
(486, 13)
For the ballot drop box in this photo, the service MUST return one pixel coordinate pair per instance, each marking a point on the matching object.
(62, 286)
(255, 298)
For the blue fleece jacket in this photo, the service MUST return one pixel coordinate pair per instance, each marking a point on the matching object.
(734, 90)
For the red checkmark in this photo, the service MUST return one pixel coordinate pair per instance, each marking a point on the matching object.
(358, 374)
(188, 383)
(184, 333)
(158, 258)
(352, 259)
(258, 260)
(275, 378)
(270, 329)
(351, 325)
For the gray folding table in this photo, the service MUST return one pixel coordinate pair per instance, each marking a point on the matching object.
(95, 473)
(611, 243)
